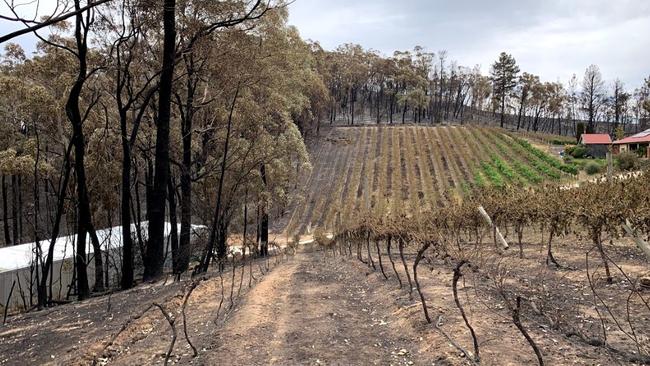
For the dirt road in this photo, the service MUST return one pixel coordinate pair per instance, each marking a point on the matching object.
(309, 309)
(310, 312)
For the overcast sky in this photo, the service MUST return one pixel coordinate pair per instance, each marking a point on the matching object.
(550, 38)
(28, 11)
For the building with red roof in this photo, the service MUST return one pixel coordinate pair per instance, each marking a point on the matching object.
(597, 143)
(636, 143)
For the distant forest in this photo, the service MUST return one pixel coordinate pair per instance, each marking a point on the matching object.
(424, 87)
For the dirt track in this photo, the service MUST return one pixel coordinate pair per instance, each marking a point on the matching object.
(310, 312)
(310, 309)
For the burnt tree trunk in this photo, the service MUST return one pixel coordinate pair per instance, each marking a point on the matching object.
(73, 112)
(370, 260)
(596, 237)
(5, 216)
(125, 208)
(212, 238)
(549, 253)
(173, 232)
(14, 209)
(406, 269)
(264, 222)
(186, 169)
(381, 265)
(154, 256)
(47, 266)
(392, 262)
(418, 258)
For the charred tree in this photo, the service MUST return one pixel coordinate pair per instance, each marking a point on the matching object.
(154, 255)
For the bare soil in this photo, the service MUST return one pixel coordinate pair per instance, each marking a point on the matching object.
(316, 310)
(319, 309)
(310, 309)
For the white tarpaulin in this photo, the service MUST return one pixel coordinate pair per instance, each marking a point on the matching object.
(16, 261)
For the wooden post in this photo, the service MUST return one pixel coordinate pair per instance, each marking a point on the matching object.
(498, 237)
(638, 241)
(609, 165)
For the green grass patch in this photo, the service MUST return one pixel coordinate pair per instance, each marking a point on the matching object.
(479, 181)
(581, 163)
(567, 168)
(492, 174)
(522, 167)
(546, 170)
(528, 173)
(506, 171)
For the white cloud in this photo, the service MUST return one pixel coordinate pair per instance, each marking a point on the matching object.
(551, 38)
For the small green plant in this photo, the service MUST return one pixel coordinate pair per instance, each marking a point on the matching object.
(560, 141)
(528, 173)
(506, 171)
(544, 169)
(479, 181)
(619, 133)
(579, 151)
(568, 159)
(592, 168)
(502, 167)
(570, 169)
(568, 149)
(627, 161)
(492, 174)
(642, 152)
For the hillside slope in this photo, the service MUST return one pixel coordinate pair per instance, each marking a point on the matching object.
(408, 168)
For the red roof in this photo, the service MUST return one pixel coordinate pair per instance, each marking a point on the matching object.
(595, 138)
(641, 137)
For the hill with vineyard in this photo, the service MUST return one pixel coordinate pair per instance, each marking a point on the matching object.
(405, 169)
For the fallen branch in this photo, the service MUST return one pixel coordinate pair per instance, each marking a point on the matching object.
(437, 325)
(187, 297)
(122, 329)
(171, 321)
